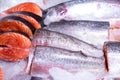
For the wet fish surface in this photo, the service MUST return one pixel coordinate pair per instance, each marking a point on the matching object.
(92, 32)
(50, 38)
(100, 10)
(49, 57)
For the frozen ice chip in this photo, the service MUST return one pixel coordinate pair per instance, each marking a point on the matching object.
(60, 74)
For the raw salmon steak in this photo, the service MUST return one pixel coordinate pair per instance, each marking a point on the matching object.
(32, 18)
(14, 46)
(16, 23)
(27, 6)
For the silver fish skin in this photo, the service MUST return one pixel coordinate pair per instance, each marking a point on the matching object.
(48, 57)
(94, 10)
(50, 38)
(112, 56)
(92, 32)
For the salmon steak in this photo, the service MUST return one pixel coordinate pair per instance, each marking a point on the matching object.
(27, 6)
(14, 46)
(32, 18)
(16, 23)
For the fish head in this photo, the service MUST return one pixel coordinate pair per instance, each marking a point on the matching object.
(55, 14)
(49, 17)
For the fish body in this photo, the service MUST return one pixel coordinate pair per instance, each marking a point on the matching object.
(84, 10)
(47, 58)
(50, 38)
(92, 32)
(16, 46)
(112, 53)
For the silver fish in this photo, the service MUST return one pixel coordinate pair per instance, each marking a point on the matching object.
(49, 57)
(112, 56)
(95, 10)
(51, 38)
(92, 32)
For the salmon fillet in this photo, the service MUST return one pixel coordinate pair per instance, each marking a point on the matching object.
(16, 46)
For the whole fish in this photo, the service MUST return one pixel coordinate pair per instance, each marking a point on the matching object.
(112, 54)
(92, 32)
(95, 10)
(47, 58)
(25, 6)
(50, 38)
